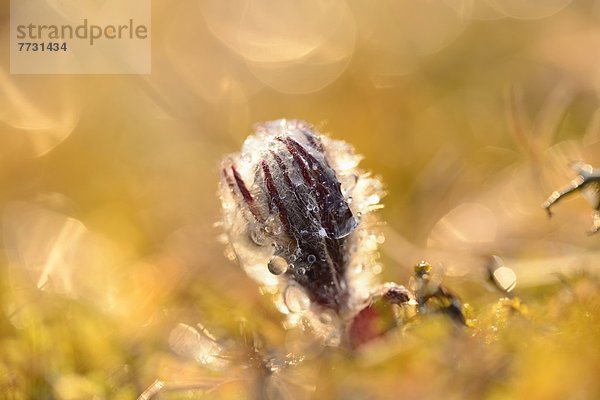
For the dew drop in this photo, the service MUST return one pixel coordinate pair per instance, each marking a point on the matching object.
(293, 257)
(198, 345)
(295, 299)
(257, 234)
(277, 265)
(325, 318)
(246, 157)
(300, 271)
(311, 258)
(377, 269)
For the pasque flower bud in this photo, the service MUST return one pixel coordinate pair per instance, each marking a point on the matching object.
(297, 214)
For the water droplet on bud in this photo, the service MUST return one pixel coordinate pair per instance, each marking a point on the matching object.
(295, 299)
(258, 236)
(326, 318)
(246, 157)
(277, 265)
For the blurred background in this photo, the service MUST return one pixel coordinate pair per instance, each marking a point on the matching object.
(469, 110)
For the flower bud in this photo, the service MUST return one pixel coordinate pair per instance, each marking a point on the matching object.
(294, 207)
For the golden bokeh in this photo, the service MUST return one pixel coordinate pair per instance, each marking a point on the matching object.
(470, 111)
